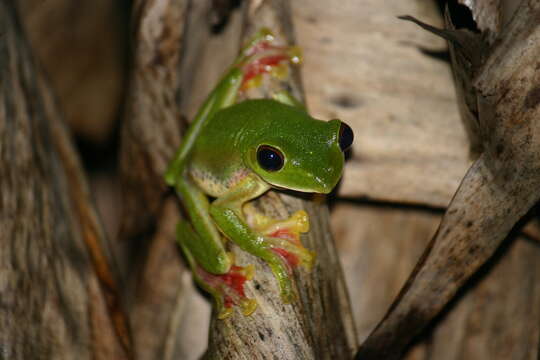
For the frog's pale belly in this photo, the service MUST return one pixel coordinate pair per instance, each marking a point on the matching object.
(214, 185)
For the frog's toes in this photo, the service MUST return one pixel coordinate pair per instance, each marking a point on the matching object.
(263, 57)
(284, 236)
(292, 251)
(290, 228)
(281, 247)
(228, 289)
(283, 255)
(254, 218)
(283, 251)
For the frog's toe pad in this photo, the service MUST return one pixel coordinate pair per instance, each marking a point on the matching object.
(228, 289)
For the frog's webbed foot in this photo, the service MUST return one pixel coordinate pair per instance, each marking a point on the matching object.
(228, 289)
(261, 56)
(283, 239)
(284, 235)
(225, 282)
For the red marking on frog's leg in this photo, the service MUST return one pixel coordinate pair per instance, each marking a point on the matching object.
(263, 57)
(260, 46)
(262, 66)
(292, 251)
(287, 234)
(292, 259)
(283, 236)
(228, 289)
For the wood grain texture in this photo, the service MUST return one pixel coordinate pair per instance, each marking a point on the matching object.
(151, 129)
(168, 317)
(466, 238)
(498, 317)
(379, 246)
(56, 297)
(319, 325)
(372, 70)
(496, 192)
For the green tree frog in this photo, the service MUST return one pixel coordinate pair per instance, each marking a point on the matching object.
(235, 152)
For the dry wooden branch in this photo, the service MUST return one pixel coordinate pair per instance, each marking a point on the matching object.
(160, 288)
(151, 130)
(57, 301)
(497, 191)
(319, 325)
(498, 318)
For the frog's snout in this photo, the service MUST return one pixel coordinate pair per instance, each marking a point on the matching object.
(329, 180)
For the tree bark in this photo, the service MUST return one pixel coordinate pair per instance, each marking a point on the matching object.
(160, 291)
(58, 292)
(497, 191)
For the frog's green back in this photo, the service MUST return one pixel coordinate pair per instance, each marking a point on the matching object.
(228, 143)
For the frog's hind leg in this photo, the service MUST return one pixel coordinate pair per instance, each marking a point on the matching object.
(226, 289)
(213, 268)
(261, 56)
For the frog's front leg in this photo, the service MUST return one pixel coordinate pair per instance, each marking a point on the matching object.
(279, 252)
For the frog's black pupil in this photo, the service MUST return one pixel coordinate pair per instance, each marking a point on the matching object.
(269, 158)
(346, 137)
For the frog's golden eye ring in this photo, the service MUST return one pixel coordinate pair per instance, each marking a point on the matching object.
(270, 158)
(346, 136)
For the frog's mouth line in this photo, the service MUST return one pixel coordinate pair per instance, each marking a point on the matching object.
(282, 188)
(292, 190)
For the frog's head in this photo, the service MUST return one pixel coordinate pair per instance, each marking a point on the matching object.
(301, 153)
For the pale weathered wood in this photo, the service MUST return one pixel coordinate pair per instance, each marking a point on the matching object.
(379, 246)
(57, 295)
(498, 318)
(366, 67)
(497, 191)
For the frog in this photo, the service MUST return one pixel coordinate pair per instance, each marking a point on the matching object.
(235, 151)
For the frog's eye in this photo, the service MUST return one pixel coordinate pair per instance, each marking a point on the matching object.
(270, 158)
(346, 136)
